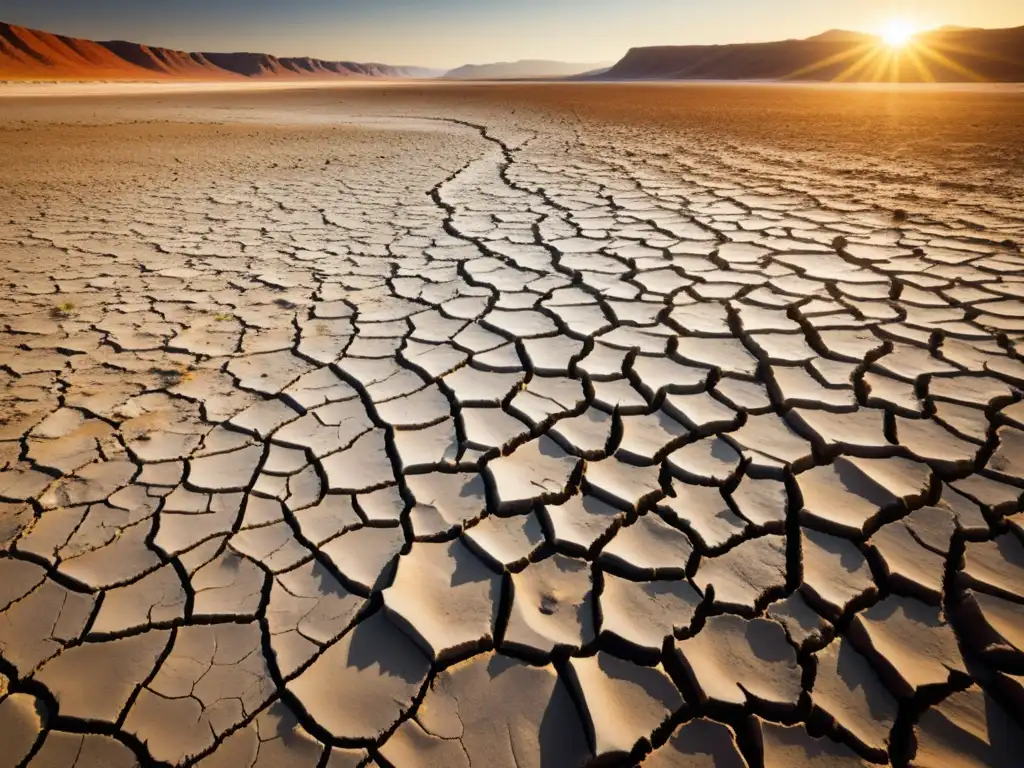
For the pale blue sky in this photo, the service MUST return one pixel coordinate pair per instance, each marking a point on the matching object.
(452, 32)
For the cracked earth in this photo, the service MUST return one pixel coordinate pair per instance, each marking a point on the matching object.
(394, 433)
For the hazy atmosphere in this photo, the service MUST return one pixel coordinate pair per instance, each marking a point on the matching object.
(447, 33)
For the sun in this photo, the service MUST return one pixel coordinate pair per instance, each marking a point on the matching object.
(897, 33)
(901, 50)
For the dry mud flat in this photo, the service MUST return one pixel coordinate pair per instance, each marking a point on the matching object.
(485, 426)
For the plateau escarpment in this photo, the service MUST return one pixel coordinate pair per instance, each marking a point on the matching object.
(943, 55)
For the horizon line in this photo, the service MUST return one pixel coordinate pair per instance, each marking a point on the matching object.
(445, 69)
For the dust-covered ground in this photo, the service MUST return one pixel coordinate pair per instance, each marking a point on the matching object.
(511, 425)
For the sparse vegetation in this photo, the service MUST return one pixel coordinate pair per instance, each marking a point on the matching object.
(173, 376)
(63, 309)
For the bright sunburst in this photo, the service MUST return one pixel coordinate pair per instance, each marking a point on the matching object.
(898, 33)
(902, 51)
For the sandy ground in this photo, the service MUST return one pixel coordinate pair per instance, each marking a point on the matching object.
(19, 89)
(511, 425)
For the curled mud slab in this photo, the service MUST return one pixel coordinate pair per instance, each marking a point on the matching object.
(467, 427)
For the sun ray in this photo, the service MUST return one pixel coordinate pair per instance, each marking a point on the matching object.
(837, 58)
(949, 49)
(940, 58)
(913, 54)
(883, 69)
(854, 70)
(900, 52)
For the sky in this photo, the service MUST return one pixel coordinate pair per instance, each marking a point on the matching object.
(448, 33)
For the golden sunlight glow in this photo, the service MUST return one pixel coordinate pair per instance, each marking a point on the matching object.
(903, 52)
(898, 33)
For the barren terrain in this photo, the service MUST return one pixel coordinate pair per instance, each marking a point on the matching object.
(512, 425)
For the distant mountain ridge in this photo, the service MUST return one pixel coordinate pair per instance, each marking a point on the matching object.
(523, 69)
(842, 35)
(947, 54)
(30, 54)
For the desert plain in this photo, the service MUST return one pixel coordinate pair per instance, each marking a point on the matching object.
(515, 425)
